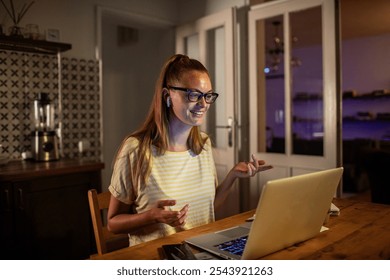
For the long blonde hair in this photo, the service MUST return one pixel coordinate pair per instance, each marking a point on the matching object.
(155, 129)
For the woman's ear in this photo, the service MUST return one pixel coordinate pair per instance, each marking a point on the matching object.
(166, 96)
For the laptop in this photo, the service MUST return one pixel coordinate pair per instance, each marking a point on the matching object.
(290, 210)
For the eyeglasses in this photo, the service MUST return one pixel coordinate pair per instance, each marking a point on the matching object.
(194, 95)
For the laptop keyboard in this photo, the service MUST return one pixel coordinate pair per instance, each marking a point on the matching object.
(235, 247)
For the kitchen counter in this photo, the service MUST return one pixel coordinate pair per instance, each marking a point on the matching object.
(44, 210)
(28, 169)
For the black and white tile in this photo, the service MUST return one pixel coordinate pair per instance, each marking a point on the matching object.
(24, 75)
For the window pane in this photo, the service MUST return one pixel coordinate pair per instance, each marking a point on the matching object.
(307, 82)
(271, 85)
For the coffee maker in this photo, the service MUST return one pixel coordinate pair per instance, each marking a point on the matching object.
(44, 137)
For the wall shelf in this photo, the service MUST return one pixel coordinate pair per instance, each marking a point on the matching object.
(376, 94)
(354, 120)
(32, 46)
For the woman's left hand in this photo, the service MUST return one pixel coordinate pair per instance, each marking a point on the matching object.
(251, 168)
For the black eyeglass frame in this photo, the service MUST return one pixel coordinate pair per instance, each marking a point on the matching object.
(212, 95)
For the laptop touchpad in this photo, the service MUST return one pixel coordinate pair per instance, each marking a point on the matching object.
(234, 232)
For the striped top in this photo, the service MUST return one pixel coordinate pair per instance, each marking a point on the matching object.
(183, 176)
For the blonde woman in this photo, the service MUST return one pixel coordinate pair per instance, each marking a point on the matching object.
(164, 178)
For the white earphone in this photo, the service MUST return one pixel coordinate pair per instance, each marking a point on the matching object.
(166, 94)
(168, 102)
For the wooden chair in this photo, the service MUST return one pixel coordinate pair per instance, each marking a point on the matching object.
(105, 241)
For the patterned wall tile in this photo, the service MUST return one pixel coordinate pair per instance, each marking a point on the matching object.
(24, 75)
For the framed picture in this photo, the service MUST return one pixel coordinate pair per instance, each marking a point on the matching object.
(53, 35)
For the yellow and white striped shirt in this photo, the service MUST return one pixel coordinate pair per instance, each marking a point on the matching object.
(182, 176)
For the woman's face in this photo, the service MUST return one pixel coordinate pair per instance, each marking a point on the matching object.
(187, 112)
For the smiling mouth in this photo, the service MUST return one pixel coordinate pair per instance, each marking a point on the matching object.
(197, 113)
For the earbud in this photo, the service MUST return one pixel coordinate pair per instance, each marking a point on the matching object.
(165, 93)
(168, 102)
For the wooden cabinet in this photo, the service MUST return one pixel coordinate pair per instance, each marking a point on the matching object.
(44, 212)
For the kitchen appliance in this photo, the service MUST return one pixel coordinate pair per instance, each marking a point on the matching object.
(44, 137)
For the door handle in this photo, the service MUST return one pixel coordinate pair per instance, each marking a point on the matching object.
(229, 127)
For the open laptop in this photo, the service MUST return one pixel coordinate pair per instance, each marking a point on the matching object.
(290, 210)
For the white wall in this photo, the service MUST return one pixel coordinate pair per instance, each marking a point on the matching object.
(365, 63)
(76, 19)
(190, 10)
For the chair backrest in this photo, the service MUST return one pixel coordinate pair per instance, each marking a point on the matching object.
(105, 241)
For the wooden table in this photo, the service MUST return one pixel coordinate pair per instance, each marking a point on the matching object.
(360, 232)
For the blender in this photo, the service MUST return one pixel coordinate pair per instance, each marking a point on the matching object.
(44, 137)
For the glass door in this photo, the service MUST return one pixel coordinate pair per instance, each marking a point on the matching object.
(293, 96)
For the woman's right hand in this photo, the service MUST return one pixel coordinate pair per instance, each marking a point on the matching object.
(120, 221)
(163, 213)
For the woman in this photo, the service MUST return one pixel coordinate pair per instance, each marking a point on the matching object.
(166, 167)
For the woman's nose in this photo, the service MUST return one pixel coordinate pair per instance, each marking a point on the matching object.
(202, 101)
